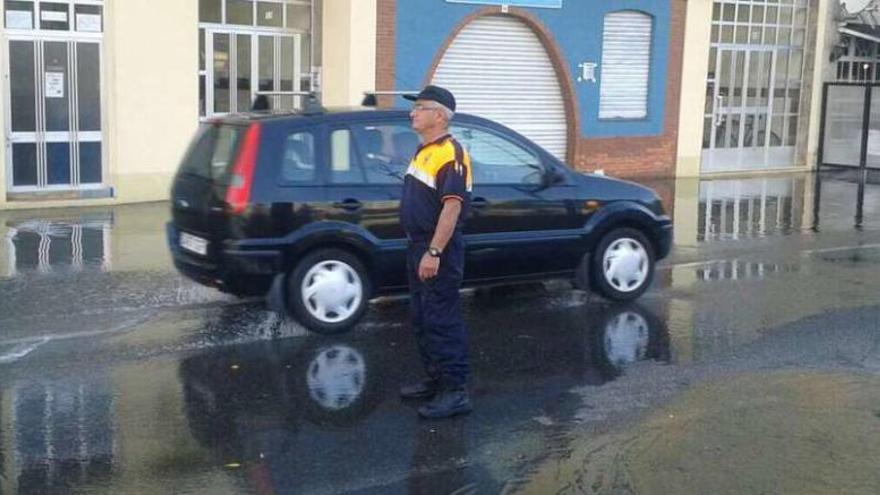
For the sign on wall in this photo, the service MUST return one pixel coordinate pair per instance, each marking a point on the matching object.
(547, 4)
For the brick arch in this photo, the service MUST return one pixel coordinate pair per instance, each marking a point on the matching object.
(563, 75)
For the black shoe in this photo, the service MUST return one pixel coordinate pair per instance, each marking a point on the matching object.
(425, 389)
(447, 403)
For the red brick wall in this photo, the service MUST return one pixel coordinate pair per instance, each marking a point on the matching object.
(632, 157)
(386, 20)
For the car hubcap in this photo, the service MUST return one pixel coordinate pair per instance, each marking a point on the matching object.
(625, 264)
(626, 339)
(336, 377)
(331, 291)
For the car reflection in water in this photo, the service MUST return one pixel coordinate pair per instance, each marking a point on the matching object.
(316, 413)
(629, 334)
(336, 377)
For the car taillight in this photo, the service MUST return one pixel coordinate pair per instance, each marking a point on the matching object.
(242, 178)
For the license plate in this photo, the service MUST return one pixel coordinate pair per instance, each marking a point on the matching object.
(193, 243)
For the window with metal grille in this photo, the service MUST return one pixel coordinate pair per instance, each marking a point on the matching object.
(626, 63)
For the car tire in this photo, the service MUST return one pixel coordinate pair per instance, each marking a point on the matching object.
(622, 265)
(328, 291)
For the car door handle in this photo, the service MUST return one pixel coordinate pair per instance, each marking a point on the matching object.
(348, 204)
(479, 203)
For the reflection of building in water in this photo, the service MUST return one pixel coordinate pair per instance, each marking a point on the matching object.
(44, 246)
(62, 436)
(741, 270)
(730, 209)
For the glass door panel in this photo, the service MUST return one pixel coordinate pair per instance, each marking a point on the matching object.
(57, 79)
(244, 72)
(221, 72)
(88, 155)
(288, 71)
(267, 63)
(22, 55)
(88, 70)
(55, 103)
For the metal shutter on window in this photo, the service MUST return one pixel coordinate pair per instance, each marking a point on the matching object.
(497, 68)
(626, 60)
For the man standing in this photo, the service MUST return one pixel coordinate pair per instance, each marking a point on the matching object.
(436, 196)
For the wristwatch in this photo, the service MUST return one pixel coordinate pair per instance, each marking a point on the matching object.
(434, 252)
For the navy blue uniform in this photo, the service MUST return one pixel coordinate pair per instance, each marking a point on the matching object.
(440, 171)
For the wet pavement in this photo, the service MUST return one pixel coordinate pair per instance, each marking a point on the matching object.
(752, 366)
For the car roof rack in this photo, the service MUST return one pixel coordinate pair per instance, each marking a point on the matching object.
(370, 96)
(312, 105)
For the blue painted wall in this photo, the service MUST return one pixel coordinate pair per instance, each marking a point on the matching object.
(424, 25)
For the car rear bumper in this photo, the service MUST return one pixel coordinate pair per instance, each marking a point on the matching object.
(227, 267)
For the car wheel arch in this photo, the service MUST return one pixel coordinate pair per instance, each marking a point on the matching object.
(293, 255)
(633, 219)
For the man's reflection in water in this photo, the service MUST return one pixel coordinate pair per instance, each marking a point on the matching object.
(440, 462)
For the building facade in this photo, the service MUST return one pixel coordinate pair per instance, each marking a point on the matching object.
(753, 74)
(98, 105)
(97, 108)
(595, 83)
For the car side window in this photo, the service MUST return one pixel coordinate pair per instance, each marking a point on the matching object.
(497, 160)
(379, 152)
(298, 160)
(344, 165)
(385, 150)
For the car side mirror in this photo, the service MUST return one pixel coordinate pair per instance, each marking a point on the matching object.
(550, 176)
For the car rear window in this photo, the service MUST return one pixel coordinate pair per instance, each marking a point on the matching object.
(212, 152)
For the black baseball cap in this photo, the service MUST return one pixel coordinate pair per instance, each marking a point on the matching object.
(435, 93)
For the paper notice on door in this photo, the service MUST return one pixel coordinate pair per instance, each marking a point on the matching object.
(873, 142)
(17, 19)
(53, 16)
(54, 85)
(88, 23)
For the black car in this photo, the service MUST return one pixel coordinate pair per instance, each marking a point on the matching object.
(308, 201)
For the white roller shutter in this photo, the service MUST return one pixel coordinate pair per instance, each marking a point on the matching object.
(626, 61)
(497, 68)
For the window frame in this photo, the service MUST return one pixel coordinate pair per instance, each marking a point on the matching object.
(650, 68)
(539, 158)
(359, 153)
(71, 13)
(319, 179)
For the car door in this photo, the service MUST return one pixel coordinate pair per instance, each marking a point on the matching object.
(365, 184)
(524, 212)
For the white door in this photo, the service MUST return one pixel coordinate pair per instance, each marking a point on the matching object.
(54, 124)
(753, 88)
(245, 62)
(497, 68)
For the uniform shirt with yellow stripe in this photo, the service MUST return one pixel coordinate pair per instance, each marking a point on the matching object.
(439, 171)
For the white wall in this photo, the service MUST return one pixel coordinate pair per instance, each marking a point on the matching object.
(349, 44)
